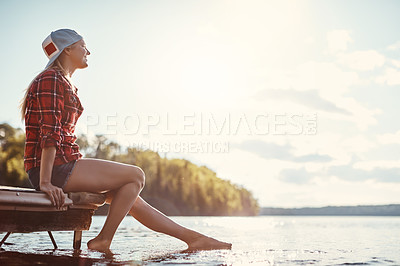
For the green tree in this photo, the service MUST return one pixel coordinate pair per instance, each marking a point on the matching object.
(12, 143)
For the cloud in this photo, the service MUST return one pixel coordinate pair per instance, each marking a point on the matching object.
(362, 60)
(370, 165)
(328, 78)
(391, 77)
(308, 98)
(350, 173)
(394, 47)
(321, 85)
(281, 152)
(338, 40)
(296, 176)
(395, 62)
(391, 175)
(312, 158)
(389, 138)
(362, 116)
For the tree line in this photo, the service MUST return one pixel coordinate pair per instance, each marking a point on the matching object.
(174, 186)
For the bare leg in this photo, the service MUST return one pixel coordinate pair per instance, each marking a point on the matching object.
(123, 201)
(126, 181)
(123, 183)
(157, 221)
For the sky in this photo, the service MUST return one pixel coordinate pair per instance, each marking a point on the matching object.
(294, 100)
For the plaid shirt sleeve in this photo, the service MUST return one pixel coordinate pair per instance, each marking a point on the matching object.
(50, 99)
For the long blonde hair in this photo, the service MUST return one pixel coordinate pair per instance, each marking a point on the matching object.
(56, 65)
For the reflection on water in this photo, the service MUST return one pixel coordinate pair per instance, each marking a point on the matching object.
(256, 240)
(49, 258)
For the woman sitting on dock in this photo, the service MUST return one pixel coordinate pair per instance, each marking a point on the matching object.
(54, 164)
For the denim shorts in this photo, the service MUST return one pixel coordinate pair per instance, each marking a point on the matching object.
(59, 175)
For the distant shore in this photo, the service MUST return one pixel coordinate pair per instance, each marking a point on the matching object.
(360, 210)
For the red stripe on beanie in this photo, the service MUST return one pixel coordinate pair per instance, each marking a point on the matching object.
(50, 48)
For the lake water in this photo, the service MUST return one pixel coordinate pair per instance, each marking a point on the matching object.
(263, 240)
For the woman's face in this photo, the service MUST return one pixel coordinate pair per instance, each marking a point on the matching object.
(79, 54)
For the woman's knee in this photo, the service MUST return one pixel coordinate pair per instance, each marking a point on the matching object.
(138, 176)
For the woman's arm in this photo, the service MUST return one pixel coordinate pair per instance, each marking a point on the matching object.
(56, 194)
(50, 102)
(46, 164)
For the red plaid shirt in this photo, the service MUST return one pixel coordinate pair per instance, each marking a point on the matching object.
(53, 108)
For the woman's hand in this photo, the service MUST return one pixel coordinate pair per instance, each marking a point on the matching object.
(56, 194)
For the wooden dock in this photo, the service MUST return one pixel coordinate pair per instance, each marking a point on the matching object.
(25, 210)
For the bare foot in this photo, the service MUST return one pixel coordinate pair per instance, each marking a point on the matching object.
(99, 245)
(207, 243)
